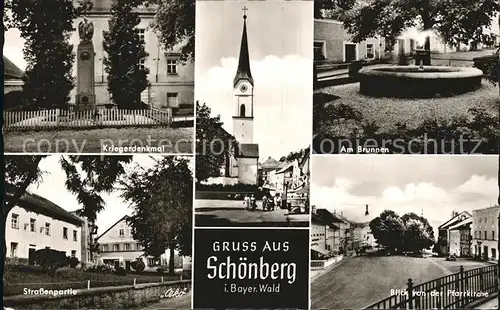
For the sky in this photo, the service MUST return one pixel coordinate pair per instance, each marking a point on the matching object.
(438, 185)
(13, 48)
(52, 188)
(279, 38)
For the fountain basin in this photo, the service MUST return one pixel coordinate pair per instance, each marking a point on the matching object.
(413, 82)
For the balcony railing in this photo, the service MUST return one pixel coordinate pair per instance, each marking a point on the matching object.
(452, 291)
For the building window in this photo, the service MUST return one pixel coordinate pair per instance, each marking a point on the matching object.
(138, 246)
(171, 99)
(65, 233)
(73, 253)
(13, 249)
(151, 262)
(142, 64)
(32, 225)
(370, 53)
(242, 110)
(116, 247)
(172, 66)
(122, 232)
(47, 229)
(319, 54)
(14, 221)
(104, 247)
(127, 247)
(493, 235)
(142, 35)
(485, 235)
(74, 236)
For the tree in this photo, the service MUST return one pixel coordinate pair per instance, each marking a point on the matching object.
(162, 197)
(418, 233)
(48, 79)
(388, 229)
(332, 9)
(175, 22)
(462, 22)
(214, 146)
(455, 22)
(88, 177)
(124, 49)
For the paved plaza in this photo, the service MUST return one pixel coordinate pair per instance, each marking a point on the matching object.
(234, 213)
(339, 287)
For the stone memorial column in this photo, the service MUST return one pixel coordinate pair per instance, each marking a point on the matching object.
(85, 75)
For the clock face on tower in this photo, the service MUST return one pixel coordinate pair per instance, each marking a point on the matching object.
(243, 88)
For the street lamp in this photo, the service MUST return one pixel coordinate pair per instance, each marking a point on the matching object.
(366, 212)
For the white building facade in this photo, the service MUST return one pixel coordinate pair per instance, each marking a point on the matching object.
(35, 224)
(485, 233)
(171, 80)
(119, 249)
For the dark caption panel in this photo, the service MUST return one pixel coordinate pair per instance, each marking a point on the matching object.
(257, 268)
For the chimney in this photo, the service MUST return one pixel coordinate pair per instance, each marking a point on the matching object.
(341, 213)
(313, 209)
(334, 211)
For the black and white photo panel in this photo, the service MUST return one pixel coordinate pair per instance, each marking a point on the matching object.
(397, 77)
(253, 97)
(396, 231)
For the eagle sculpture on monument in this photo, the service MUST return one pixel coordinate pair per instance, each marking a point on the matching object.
(85, 31)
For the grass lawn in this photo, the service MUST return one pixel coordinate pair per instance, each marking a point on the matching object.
(18, 278)
(173, 140)
(386, 114)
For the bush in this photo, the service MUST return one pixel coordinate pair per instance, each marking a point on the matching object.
(50, 260)
(100, 269)
(138, 265)
(120, 271)
(73, 262)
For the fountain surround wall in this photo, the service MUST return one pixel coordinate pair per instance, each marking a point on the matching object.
(413, 82)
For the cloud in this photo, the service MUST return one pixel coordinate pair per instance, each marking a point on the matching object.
(480, 185)
(282, 100)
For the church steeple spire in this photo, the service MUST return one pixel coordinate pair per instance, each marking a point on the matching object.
(243, 71)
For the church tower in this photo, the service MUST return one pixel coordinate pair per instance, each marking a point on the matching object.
(243, 93)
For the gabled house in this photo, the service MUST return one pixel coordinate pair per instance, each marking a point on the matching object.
(444, 229)
(37, 223)
(118, 248)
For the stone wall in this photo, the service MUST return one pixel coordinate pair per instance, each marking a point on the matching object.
(116, 297)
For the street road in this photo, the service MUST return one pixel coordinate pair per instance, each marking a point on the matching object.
(210, 212)
(360, 281)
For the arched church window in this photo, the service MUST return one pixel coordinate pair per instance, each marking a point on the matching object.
(242, 110)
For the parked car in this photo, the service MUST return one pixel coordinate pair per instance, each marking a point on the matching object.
(482, 62)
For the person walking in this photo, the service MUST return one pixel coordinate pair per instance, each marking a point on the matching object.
(246, 202)
(253, 203)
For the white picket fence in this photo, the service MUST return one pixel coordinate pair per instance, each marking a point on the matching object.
(57, 119)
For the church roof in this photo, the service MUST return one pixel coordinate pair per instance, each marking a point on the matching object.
(243, 71)
(248, 150)
(10, 70)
